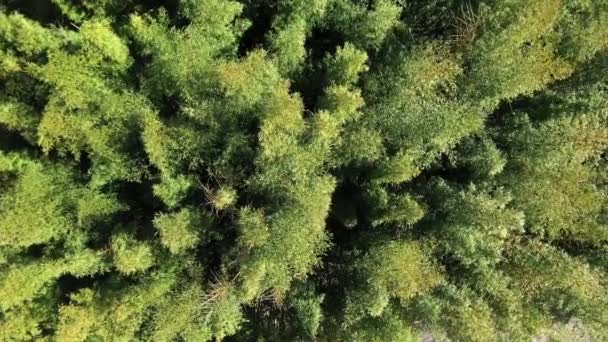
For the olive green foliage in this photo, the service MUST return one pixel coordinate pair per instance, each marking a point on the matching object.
(320, 170)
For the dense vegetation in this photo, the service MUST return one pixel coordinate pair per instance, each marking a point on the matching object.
(297, 170)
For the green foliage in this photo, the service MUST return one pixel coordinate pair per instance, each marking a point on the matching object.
(398, 209)
(173, 190)
(475, 226)
(179, 317)
(19, 117)
(110, 313)
(31, 214)
(23, 36)
(295, 170)
(291, 27)
(346, 64)
(253, 226)
(365, 28)
(393, 270)
(307, 305)
(480, 156)
(46, 203)
(24, 281)
(554, 161)
(421, 84)
(182, 230)
(131, 256)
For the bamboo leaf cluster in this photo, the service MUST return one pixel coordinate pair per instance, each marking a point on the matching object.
(303, 170)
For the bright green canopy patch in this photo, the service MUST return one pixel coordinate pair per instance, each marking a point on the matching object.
(303, 170)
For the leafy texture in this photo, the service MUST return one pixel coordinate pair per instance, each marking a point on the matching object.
(303, 170)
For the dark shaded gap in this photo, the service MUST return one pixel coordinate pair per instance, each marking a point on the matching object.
(213, 253)
(505, 108)
(84, 163)
(432, 19)
(69, 284)
(135, 75)
(11, 141)
(172, 7)
(43, 11)
(143, 206)
(443, 168)
(25, 88)
(168, 106)
(48, 13)
(261, 15)
(350, 236)
(322, 42)
(217, 245)
(267, 321)
(311, 84)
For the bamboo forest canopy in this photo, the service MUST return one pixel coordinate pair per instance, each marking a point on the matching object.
(303, 170)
